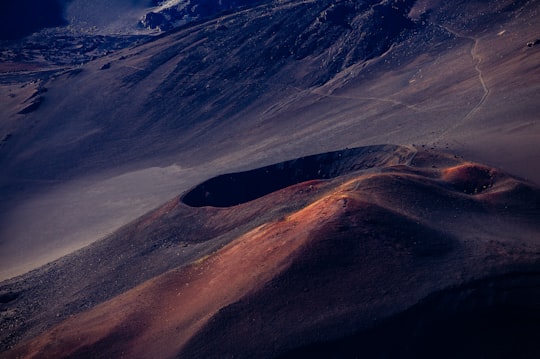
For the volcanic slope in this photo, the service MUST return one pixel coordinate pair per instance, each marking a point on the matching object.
(102, 143)
(374, 245)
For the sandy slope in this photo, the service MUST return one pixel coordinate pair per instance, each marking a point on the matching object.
(356, 249)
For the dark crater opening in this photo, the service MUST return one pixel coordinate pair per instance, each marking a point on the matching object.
(236, 188)
(494, 318)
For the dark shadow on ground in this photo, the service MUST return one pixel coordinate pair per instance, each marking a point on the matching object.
(24, 17)
(494, 318)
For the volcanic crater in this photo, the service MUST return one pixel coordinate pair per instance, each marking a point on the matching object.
(344, 247)
(374, 251)
(232, 189)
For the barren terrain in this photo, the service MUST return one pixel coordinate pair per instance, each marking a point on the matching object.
(363, 235)
(448, 79)
(224, 188)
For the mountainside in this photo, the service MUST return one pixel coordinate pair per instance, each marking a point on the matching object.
(223, 188)
(349, 239)
(275, 81)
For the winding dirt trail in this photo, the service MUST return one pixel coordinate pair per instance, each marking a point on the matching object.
(478, 60)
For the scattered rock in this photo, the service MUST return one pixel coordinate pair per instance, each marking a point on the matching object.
(533, 43)
(33, 106)
(154, 20)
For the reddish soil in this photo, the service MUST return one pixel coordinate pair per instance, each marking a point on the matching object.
(368, 245)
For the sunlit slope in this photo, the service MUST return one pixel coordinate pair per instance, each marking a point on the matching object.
(347, 252)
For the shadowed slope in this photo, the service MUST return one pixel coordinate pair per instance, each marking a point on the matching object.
(496, 318)
(363, 247)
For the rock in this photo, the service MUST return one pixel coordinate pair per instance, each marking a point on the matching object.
(533, 43)
(153, 20)
(181, 12)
